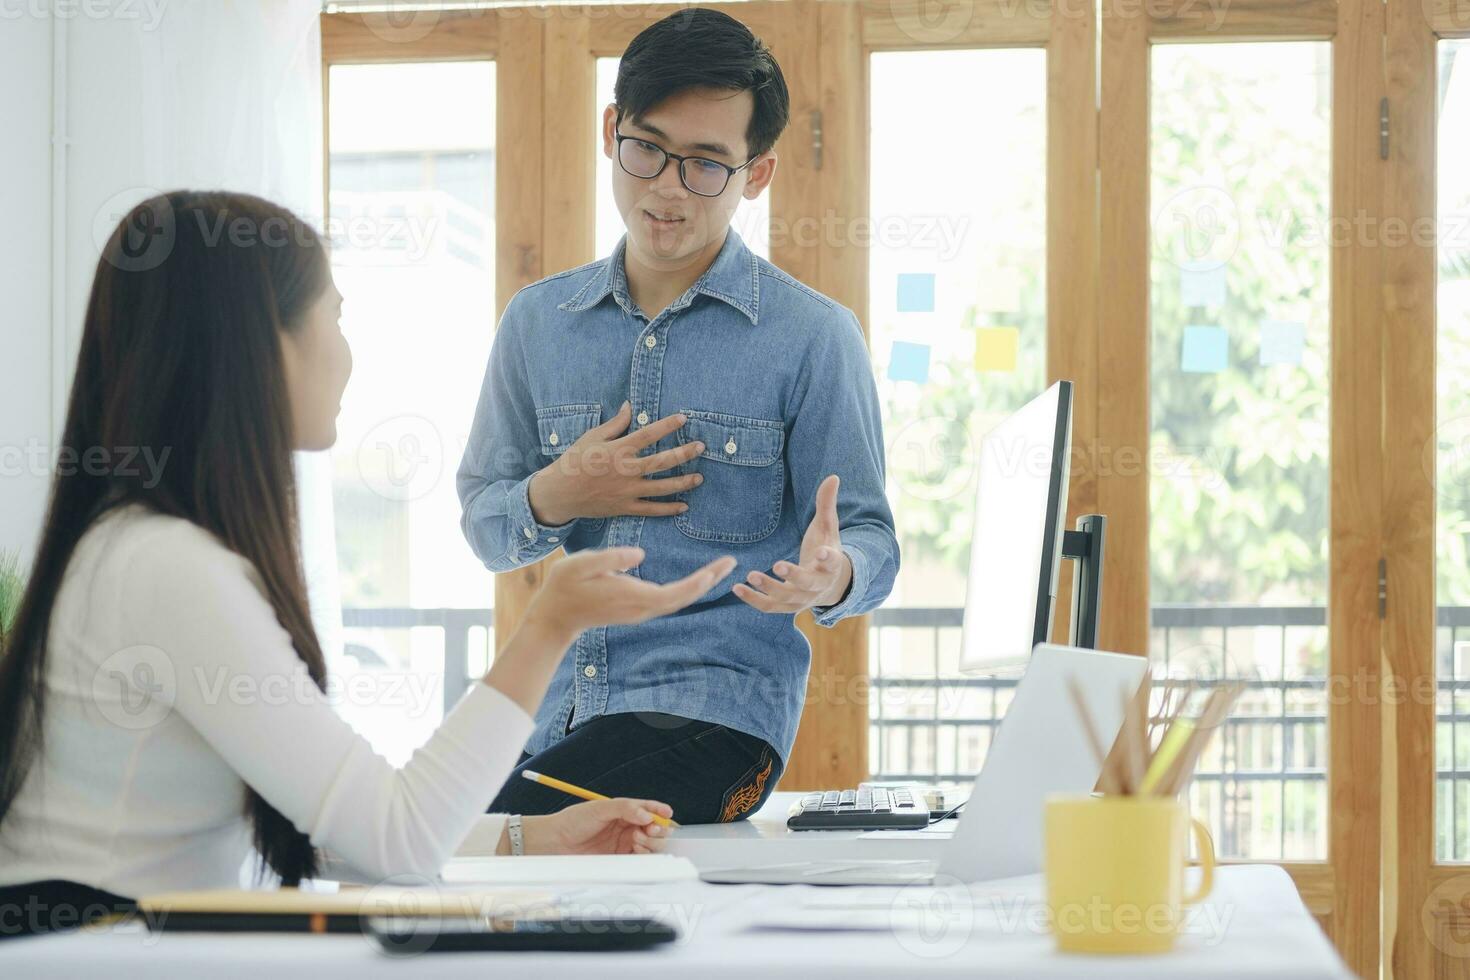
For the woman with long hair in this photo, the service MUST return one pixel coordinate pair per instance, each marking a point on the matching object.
(162, 691)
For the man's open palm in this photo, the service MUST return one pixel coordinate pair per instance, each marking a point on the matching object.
(822, 577)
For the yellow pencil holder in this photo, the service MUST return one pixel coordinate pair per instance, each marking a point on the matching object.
(1115, 871)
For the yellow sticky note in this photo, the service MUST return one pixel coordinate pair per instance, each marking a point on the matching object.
(995, 348)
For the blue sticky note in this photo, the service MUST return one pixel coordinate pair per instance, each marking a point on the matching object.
(1206, 350)
(909, 362)
(916, 292)
(1282, 342)
(1202, 284)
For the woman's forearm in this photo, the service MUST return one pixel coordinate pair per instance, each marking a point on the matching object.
(522, 670)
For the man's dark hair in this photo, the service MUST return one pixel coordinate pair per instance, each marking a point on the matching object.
(703, 48)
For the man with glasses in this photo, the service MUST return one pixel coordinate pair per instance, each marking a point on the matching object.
(689, 398)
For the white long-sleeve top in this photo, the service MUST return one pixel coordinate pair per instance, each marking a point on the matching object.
(171, 687)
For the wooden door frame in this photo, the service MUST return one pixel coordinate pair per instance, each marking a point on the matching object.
(1343, 891)
(1426, 902)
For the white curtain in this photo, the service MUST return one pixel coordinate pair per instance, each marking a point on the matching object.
(203, 94)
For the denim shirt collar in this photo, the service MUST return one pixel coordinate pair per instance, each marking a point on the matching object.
(733, 277)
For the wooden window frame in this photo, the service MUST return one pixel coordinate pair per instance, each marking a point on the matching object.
(1380, 832)
(1425, 900)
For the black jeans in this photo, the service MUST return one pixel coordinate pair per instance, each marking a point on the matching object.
(708, 773)
(39, 907)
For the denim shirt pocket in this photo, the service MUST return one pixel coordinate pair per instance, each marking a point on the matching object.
(557, 427)
(744, 477)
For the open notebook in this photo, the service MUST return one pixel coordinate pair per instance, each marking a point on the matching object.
(296, 910)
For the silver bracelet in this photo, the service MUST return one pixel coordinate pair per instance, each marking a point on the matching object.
(513, 828)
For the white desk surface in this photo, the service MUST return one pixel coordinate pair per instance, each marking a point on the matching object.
(1253, 925)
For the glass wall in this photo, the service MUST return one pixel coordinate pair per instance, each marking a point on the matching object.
(957, 326)
(1240, 158)
(1451, 455)
(412, 174)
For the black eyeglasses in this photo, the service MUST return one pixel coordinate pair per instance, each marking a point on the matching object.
(701, 175)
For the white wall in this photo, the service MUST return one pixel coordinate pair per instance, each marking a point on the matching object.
(25, 279)
(158, 96)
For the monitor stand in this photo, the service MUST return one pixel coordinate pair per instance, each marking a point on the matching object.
(1085, 547)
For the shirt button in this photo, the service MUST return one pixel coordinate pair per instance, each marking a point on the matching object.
(589, 671)
(650, 341)
(530, 533)
(553, 539)
(642, 418)
(730, 447)
(554, 439)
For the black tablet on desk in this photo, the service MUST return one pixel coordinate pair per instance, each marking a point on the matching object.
(410, 935)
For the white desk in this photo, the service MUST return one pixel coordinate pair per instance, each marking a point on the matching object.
(1253, 926)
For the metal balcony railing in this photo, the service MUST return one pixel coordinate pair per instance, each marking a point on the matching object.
(1262, 787)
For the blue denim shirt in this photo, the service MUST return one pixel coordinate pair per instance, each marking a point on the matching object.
(775, 380)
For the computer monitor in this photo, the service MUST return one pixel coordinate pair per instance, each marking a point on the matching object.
(1020, 539)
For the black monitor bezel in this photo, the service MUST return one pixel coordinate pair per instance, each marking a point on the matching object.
(1056, 514)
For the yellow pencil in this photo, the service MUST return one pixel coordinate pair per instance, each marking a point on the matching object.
(1174, 741)
(585, 794)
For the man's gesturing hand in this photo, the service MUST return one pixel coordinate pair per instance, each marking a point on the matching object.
(822, 577)
(603, 475)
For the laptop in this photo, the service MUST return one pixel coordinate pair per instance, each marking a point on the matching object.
(1039, 749)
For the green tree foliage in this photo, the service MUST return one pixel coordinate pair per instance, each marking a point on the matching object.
(1238, 459)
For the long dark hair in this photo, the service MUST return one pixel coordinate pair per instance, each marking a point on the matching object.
(181, 353)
